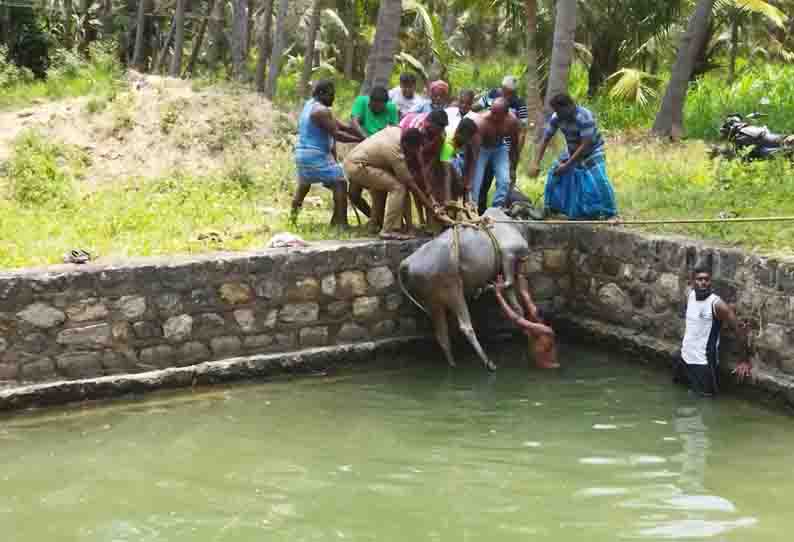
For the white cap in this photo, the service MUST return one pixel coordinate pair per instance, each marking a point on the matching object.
(509, 82)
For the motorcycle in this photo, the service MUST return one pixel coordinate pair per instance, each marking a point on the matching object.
(751, 142)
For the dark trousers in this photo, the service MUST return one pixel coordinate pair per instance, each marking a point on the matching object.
(487, 180)
(702, 379)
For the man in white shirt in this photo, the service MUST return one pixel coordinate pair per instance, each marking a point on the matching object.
(455, 113)
(405, 96)
(698, 365)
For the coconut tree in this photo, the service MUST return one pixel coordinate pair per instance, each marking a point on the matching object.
(311, 38)
(179, 39)
(669, 120)
(562, 50)
(381, 56)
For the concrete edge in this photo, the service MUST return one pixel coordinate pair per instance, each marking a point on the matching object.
(769, 386)
(211, 372)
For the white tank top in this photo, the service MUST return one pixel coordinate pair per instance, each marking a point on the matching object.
(702, 335)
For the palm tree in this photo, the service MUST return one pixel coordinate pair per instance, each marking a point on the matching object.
(534, 103)
(669, 121)
(311, 38)
(179, 39)
(239, 37)
(278, 48)
(562, 51)
(381, 56)
(264, 46)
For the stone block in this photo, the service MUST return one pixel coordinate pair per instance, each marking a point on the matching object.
(257, 342)
(765, 272)
(147, 330)
(80, 364)
(785, 278)
(169, 304)
(35, 343)
(615, 299)
(339, 309)
(3, 345)
(193, 352)
(36, 371)
(286, 341)
(208, 324)
(306, 289)
(299, 313)
(271, 290)
(156, 356)
(775, 337)
(408, 326)
(386, 328)
(351, 284)
(94, 337)
(555, 260)
(120, 331)
(668, 286)
(535, 262)
(365, 307)
(778, 309)
(87, 310)
(610, 265)
(236, 293)
(132, 307)
(178, 328)
(727, 263)
(246, 319)
(119, 362)
(313, 336)
(8, 371)
(351, 332)
(202, 298)
(270, 320)
(42, 316)
(542, 287)
(225, 346)
(671, 256)
(393, 302)
(328, 285)
(380, 278)
(787, 366)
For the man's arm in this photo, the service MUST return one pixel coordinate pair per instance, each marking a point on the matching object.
(357, 113)
(583, 148)
(346, 134)
(548, 133)
(725, 314)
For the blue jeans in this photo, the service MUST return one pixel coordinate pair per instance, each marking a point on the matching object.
(499, 157)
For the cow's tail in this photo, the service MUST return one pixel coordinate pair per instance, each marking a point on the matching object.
(400, 273)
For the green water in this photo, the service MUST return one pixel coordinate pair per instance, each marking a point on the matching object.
(602, 450)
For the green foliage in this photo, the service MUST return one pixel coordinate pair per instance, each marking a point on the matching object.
(10, 73)
(41, 172)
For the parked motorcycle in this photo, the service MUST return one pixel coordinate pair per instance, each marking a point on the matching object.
(751, 142)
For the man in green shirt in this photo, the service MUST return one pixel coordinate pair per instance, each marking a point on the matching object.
(373, 113)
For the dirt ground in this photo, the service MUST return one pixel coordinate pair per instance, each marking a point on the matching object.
(153, 126)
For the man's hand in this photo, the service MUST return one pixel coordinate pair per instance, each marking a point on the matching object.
(563, 167)
(534, 170)
(499, 283)
(743, 370)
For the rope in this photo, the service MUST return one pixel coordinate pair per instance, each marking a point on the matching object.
(618, 222)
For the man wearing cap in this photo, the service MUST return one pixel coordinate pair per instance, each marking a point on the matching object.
(517, 107)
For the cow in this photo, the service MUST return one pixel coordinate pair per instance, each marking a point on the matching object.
(466, 260)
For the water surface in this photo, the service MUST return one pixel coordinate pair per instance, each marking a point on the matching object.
(602, 450)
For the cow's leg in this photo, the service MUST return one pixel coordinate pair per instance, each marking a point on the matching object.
(461, 310)
(439, 316)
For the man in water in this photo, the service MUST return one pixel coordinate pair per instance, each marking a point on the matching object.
(373, 113)
(577, 185)
(491, 149)
(380, 164)
(698, 364)
(405, 96)
(315, 152)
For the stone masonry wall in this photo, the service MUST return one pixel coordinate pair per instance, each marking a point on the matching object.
(69, 322)
(633, 286)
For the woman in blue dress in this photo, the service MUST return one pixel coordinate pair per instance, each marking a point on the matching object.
(577, 185)
(315, 152)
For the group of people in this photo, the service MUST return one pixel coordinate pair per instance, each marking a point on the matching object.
(433, 150)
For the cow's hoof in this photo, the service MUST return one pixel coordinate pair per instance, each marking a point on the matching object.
(490, 366)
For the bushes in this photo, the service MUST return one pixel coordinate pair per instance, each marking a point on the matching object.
(42, 173)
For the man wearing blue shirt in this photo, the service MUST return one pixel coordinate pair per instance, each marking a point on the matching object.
(577, 184)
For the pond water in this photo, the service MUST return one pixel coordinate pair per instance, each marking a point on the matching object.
(602, 450)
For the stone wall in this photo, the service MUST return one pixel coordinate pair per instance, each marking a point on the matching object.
(632, 288)
(70, 322)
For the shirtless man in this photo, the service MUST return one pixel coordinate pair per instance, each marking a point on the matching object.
(489, 147)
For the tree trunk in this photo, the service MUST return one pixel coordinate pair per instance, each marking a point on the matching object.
(278, 48)
(308, 57)
(179, 39)
(381, 57)
(734, 48)
(534, 104)
(669, 121)
(437, 70)
(164, 51)
(264, 46)
(67, 23)
(216, 28)
(139, 57)
(199, 40)
(561, 54)
(107, 18)
(350, 43)
(239, 38)
(606, 60)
